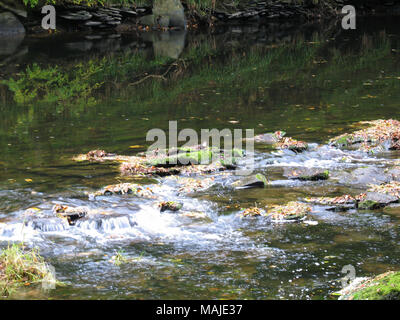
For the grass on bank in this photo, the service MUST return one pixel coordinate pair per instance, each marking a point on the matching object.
(385, 286)
(20, 267)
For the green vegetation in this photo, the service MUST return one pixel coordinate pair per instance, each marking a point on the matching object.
(76, 83)
(119, 258)
(20, 267)
(382, 287)
(53, 85)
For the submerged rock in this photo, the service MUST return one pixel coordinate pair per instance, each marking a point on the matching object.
(362, 176)
(385, 286)
(253, 181)
(292, 211)
(304, 174)
(196, 215)
(190, 185)
(341, 203)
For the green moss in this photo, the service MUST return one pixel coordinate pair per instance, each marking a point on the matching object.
(262, 178)
(188, 158)
(343, 141)
(381, 288)
(319, 176)
(369, 205)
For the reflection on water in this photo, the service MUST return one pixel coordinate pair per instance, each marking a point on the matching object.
(75, 92)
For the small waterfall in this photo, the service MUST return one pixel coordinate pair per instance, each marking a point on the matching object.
(107, 225)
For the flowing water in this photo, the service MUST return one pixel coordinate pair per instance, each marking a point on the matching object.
(312, 81)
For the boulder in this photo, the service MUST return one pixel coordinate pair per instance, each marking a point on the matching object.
(253, 181)
(172, 9)
(10, 25)
(148, 20)
(376, 200)
(306, 174)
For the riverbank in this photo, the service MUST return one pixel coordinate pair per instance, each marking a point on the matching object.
(129, 16)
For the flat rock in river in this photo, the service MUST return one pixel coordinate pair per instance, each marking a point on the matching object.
(253, 181)
(306, 174)
(375, 200)
(362, 176)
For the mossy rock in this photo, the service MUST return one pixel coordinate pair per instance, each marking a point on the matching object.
(376, 200)
(170, 205)
(307, 174)
(369, 205)
(183, 159)
(254, 181)
(186, 157)
(343, 141)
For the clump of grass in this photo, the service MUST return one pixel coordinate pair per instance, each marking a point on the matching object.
(20, 267)
(120, 258)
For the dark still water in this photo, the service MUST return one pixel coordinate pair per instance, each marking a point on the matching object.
(63, 95)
